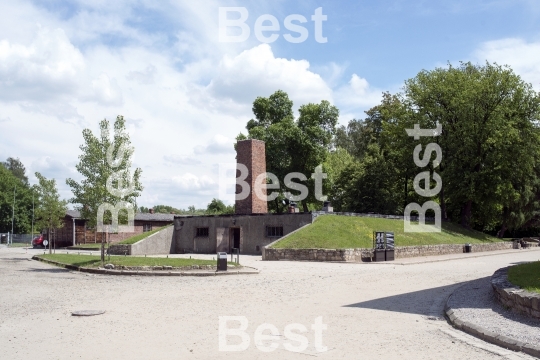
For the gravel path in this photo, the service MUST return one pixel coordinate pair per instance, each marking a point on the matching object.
(475, 303)
(372, 311)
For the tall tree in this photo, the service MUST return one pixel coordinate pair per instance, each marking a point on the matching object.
(51, 210)
(292, 145)
(18, 210)
(105, 165)
(17, 169)
(489, 117)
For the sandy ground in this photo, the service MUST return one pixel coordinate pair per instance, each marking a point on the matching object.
(372, 311)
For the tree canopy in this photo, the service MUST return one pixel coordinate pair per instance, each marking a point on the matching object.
(292, 145)
(105, 165)
(489, 142)
(51, 209)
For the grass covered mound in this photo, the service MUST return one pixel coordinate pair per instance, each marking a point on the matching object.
(344, 232)
(144, 235)
(526, 276)
(95, 261)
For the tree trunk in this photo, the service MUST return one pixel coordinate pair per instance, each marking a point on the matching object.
(500, 233)
(466, 214)
(443, 205)
(102, 251)
(278, 208)
(405, 203)
(49, 239)
(304, 206)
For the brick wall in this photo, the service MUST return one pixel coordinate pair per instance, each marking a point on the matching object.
(251, 153)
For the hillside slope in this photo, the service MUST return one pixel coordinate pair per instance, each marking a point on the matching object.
(342, 232)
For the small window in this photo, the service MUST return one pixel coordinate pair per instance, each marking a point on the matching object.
(274, 231)
(202, 232)
(147, 227)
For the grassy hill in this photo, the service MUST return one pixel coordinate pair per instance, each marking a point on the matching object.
(342, 232)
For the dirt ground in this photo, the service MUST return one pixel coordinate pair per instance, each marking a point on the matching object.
(372, 311)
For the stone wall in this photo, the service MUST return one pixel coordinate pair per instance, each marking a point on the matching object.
(348, 255)
(444, 249)
(357, 255)
(512, 296)
(160, 243)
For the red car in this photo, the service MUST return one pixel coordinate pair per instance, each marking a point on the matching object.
(40, 241)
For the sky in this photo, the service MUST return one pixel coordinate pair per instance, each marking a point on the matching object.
(186, 90)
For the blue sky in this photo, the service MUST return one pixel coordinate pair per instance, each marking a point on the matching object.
(66, 65)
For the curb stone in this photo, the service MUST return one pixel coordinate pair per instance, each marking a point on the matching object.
(252, 271)
(487, 335)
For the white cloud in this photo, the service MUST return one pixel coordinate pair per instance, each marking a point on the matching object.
(190, 182)
(143, 77)
(106, 91)
(65, 112)
(256, 72)
(356, 97)
(43, 69)
(522, 56)
(182, 159)
(218, 145)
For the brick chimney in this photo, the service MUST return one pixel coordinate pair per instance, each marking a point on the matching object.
(151, 211)
(252, 154)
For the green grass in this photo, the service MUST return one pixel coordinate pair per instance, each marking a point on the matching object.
(95, 261)
(343, 232)
(91, 246)
(20, 245)
(526, 276)
(144, 235)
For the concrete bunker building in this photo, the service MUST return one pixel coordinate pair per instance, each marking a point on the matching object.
(250, 228)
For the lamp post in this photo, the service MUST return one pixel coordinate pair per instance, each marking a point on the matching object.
(32, 215)
(13, 214)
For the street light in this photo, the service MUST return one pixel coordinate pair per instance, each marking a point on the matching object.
(13, 214)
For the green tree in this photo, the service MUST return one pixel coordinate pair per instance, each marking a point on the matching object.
(51, 209)
(490, 140)
(11, 185)
(368, 185)
(17, 169)
(106, 161)
(217, 207)
(337, 161)
(292, 145)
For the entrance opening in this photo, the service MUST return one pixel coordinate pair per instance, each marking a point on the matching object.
(235, 238)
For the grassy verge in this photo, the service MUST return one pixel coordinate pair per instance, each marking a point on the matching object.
(139, 237)
(95, 261)
(20, 245)
(526, 276)
(342, 232)
(91, 246)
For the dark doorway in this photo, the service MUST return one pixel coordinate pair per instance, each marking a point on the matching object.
(235, 238)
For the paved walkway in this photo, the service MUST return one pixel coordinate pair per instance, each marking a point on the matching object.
(371, 311)
(474, 308)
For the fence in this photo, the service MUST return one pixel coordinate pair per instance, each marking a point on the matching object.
(7, 238)
(373, 215)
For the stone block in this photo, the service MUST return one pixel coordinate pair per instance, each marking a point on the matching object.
(535, 302)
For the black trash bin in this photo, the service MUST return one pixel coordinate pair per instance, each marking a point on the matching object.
(222, 261)
(3, 239)
(379, 255)
(468, 248)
